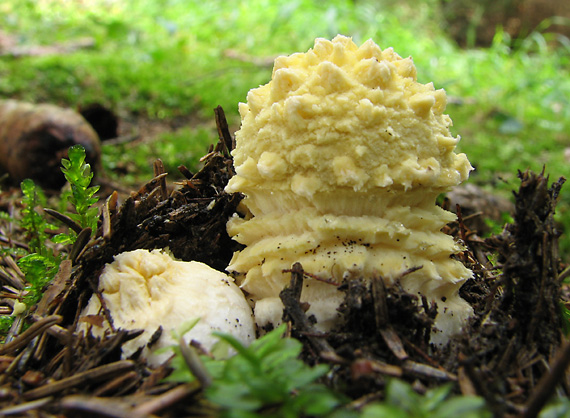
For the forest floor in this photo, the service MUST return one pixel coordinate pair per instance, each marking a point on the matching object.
(513, 353)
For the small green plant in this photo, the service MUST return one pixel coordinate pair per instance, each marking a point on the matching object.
(39, 271)
(41, 265)
(565, 313)
(32, 221)
(6, 322)
(497, 226)
(557, 408)
(402, 401)
(79, 175)
(265, 379)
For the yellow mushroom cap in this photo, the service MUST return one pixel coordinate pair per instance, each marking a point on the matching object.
(345, 116)
(341, 157)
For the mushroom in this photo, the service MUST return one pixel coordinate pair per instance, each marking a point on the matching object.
(145, 290)
(341, 157)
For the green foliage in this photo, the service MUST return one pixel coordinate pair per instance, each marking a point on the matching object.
(497, 226)
(403, 402)
(82, 197)
(183, 146)
(559, 408)
(78, 173)
(41, 265)
(565, 314)
(32, 221)
(266, 375)
(268, 379)
(39, 271)
(265, 379)
(6, 322)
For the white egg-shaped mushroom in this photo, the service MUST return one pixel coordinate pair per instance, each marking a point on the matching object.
(341, 157)
(145, 290)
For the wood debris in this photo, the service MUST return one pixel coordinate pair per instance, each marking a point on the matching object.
(35, 137)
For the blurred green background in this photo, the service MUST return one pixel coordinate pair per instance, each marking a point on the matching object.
(163, 65)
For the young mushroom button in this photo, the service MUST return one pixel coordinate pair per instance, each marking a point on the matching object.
(341, 157)
(145, 290)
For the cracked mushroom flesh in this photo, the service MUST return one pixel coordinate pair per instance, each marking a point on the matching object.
(145, 290)
(341, 157)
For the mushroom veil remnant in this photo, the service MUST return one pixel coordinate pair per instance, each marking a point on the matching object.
(341, 157)
(148, 289)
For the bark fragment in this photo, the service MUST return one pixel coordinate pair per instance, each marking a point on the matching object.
(34, 139)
